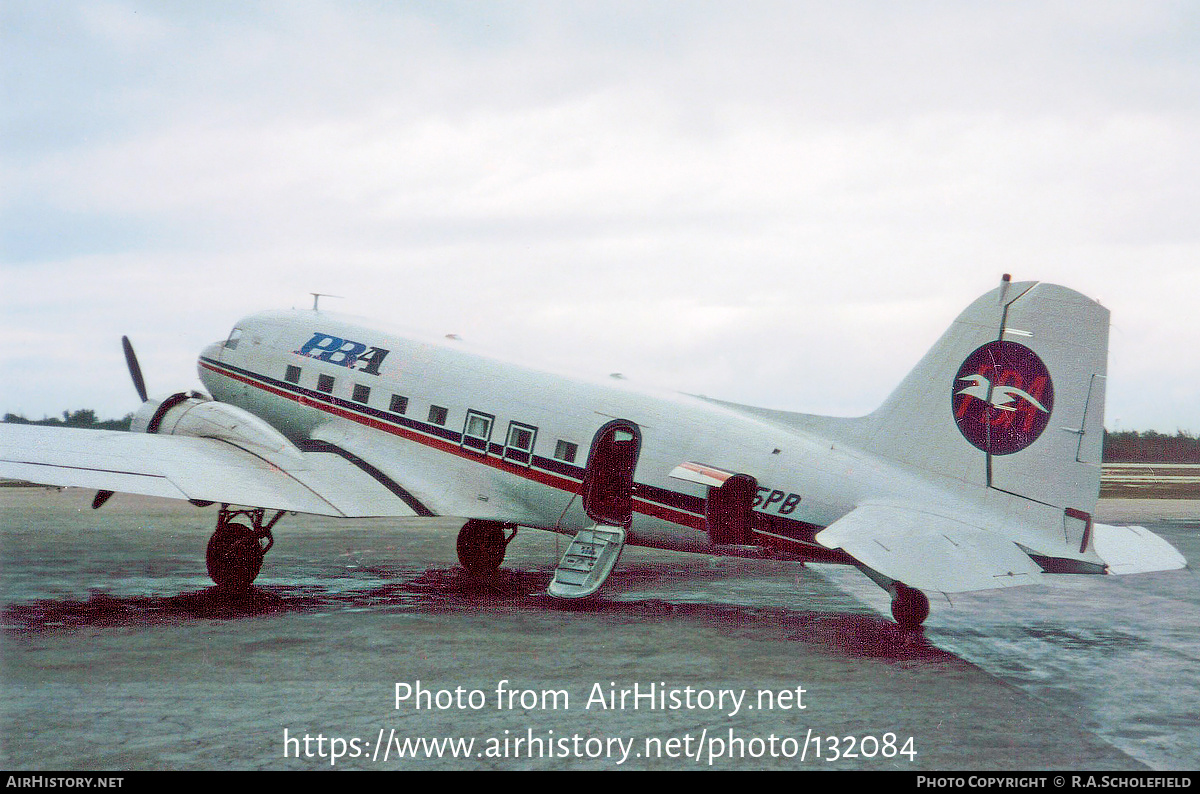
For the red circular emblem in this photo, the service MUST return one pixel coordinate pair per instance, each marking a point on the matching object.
(1002, 397)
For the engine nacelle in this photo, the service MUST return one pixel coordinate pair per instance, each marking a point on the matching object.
(193, 414)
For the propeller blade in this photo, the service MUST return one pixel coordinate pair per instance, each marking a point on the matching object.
(101, 498)
(135, 371)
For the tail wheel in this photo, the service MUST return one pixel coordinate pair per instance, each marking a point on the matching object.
(910, 606)
(234, 556)
(481, 546)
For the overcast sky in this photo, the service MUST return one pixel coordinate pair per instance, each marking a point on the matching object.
(776, 203)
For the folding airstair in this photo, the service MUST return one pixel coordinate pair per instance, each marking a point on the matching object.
(587, 562)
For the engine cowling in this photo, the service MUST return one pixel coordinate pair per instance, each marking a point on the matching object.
(194, 414)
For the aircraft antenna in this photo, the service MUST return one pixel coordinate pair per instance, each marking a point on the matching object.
(318, 295)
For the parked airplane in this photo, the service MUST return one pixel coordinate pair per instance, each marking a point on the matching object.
(981, 470)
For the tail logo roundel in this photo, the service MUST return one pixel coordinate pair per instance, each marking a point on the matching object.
(1002, 397)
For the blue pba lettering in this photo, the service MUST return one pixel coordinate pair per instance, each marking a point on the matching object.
(320, 342)
(344, 352)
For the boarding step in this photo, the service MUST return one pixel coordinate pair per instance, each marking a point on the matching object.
(588, 561)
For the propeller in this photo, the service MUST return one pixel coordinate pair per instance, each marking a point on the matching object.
(139, 383)
(135, 371)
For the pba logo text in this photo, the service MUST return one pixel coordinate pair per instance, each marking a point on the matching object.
(1002, 397)
(344, 352)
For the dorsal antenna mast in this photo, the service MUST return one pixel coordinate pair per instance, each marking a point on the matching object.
(318, 295)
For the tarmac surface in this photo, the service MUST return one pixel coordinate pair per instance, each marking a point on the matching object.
(118, 654)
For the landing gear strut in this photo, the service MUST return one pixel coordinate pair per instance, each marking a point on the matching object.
(482, 545)
(235, 550)
(910, 606)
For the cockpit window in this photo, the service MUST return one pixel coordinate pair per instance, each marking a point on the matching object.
(232, 342)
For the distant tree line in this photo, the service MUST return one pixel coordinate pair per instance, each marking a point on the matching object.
(1131, 446)
(84, 418)
(1126, 446)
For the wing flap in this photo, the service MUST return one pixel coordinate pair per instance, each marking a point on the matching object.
(192, 468)
(928, 550)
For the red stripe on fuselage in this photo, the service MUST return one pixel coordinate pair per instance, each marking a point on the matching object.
(642, 506)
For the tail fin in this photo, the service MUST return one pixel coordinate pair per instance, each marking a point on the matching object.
(1010, 398)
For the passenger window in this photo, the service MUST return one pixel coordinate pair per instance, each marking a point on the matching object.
(566, 451)
(325, 383)
(293, 374)
(362, 394)
(519, 445)
(477, 430)
(399, 404)
(437, 414)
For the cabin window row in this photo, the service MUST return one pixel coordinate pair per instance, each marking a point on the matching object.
(477, 428)
(359, 392)
(518, 442)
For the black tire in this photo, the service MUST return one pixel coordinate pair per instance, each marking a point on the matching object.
(910, 606)
(234, 557)
(481, 547)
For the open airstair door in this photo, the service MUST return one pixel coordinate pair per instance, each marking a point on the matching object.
(608, 500)
(608, 479)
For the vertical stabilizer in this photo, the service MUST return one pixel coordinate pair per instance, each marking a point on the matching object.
(1011, 398)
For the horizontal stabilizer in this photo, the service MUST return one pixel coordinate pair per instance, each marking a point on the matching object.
(1135, 550)
(929, 551)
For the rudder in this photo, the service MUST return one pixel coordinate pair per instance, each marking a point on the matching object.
(1011, 398)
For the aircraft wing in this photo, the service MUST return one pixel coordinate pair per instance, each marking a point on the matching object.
(321, 481)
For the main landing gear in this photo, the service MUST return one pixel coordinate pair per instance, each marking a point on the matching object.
(910, 606)
(235, 550)
(482, 545)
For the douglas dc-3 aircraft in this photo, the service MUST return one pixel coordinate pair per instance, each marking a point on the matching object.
(981, 470)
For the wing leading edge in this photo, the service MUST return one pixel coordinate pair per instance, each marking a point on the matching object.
(208, 469)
